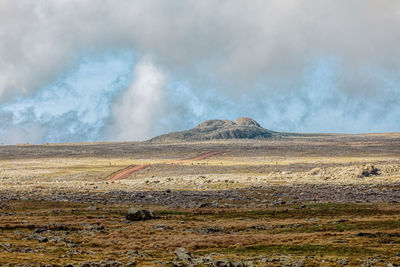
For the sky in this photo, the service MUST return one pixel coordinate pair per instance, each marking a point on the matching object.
(102, 70)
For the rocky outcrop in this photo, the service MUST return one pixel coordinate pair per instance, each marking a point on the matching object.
(135, 214)
(368, 170)
(243, 128)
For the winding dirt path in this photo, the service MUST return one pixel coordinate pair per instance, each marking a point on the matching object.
(126, 172)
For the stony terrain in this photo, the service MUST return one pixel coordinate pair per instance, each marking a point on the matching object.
(296, 200)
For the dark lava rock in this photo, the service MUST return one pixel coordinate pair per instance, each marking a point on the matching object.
(135, 214)
(368, 170)
(39, 230)
(243, 128)
(259, 227)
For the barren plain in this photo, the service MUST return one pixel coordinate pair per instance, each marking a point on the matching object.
(300, 200)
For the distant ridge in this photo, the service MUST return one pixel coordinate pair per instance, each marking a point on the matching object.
(242, 128)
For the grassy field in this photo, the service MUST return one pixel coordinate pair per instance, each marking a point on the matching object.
(299, 201)
(316, 233)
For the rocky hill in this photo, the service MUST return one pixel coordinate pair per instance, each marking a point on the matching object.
(242, 128)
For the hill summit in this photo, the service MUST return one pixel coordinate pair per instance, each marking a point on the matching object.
(242, 128)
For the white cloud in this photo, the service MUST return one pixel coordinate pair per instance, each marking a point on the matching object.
(134, 113)
(232, 47)
(236, 41)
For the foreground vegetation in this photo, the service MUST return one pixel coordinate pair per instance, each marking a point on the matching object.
(72, 233)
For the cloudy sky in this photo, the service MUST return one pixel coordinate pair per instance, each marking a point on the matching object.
(95, 70)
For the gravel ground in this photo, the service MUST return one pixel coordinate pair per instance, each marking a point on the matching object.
(252, 196)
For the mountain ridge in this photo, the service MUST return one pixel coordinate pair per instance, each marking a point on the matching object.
(242, 128)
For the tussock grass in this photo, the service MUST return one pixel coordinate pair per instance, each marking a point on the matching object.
(235, 236)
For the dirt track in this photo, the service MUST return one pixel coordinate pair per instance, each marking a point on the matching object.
(125, 173)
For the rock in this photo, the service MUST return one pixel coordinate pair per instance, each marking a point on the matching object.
(39, 230)
(248, 264)
(211, 230)
(368, 170)
(90, 264)
(205, 205)
(176, 264)
(342, 262)
(183, 254)
(243, 128)
(259, 227)
(135, 214)
(370, 235)
(237, 264)
(5, 246)
(162, 227)
(243, 121)
(39, 238)
(222, 263)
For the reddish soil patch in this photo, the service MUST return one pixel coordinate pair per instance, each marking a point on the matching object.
(124, 173)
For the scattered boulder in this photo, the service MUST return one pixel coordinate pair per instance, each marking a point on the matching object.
(39, 230)
(135, 214)
(368, 170)
(222, 263)
(162, 226)
(342, 262)
(183, 254)
(211, 230)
